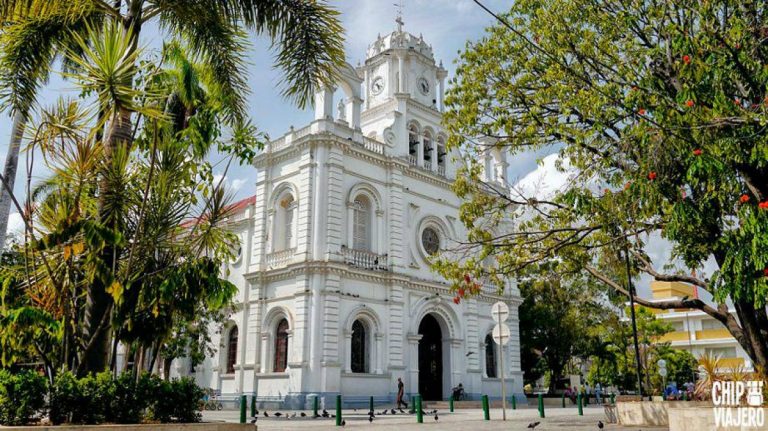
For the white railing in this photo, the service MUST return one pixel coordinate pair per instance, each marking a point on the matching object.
(441, 171)
(412, 159)
(427, 165)
(373, 145)
(281, 258)
(364, 259)
(278, 144)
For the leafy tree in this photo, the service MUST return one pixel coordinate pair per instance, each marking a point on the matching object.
(657, 111)
(306, 34)
(555, 321)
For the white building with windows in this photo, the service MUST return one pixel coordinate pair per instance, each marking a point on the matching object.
(336, 293)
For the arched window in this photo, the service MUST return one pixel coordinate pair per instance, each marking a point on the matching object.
(231, 350)
(284, 223)
(361, 225)
(490, 357)
(359, 348)
(427, 146)
(281, 347)
(441, 153)
(413, 140)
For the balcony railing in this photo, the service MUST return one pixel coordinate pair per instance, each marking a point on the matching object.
(364, 259)
(373, 145)
(412, 159)
(427, 165)
(441, 171)
(281, 258)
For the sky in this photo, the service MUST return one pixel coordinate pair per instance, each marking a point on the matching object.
(446, 24)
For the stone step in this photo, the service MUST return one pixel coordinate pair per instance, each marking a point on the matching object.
(470, 404)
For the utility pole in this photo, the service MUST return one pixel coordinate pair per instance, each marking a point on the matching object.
(631, 292)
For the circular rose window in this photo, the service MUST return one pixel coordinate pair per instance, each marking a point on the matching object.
(430, 240)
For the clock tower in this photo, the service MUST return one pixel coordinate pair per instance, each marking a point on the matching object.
(403, 89)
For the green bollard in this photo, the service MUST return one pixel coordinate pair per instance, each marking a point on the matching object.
(450, 403)
(253, 406)
(338, 410)
(541, 405)
(563, 399)
(613, 398)
(243, 406)
(685, 395)
(578, 403)
(514, 402)
(370, 405)
(417, 405)
(315, 405)
(486, 412)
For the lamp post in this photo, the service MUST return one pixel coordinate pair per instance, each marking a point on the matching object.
(631, 293)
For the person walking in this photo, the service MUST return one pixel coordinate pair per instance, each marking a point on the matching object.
(401, 393)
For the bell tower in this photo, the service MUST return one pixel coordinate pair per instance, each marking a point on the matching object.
(402, 64)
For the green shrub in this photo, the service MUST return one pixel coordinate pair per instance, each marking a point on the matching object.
(22, 397)
(101, 398)
(176, 401)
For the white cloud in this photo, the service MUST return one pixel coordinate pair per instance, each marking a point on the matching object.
(547, 179)
(237, 184)
(15, 224)
(231, 185)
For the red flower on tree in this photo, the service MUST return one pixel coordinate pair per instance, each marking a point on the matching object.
(765, 272)
(467, 279)
(689, 103)
(461, 292)
(744, 198)
(652, 175)
(641, 111)
(763, 205)
(627, 185)
(697, 152)
(456, 299)
(687, 59)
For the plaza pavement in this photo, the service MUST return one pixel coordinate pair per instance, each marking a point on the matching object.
(465, 419)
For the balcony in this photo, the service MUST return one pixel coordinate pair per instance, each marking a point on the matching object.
(412, 160)
(713, 334)
(364, 259)
(675, 336)
(281, 258)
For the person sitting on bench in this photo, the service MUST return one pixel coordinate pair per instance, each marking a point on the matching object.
(458, 392)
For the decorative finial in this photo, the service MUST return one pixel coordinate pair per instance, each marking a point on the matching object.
(399, 20)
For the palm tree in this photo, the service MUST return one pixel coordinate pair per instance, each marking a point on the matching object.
(306, 34)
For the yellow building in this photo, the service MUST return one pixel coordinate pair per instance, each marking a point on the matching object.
(696, 331)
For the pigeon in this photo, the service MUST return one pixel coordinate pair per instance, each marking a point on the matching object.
(333, 416)
(435, 417)
(325, 412)
(303, 414)
(370, 417)
(393, 412)
(600, 424)
(343, 422)
(253, 421)
(266, 415)
(293, 415)
(533, 425)
(278, 414)
(383, 413)
(256, 412)
(355, 409)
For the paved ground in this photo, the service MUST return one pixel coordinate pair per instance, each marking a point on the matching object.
(460, 420)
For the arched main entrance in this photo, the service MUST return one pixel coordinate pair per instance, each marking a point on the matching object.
(430, 359)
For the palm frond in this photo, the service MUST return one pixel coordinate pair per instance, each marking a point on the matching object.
(33, 33)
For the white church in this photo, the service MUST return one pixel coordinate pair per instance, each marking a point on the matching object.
(336, 295)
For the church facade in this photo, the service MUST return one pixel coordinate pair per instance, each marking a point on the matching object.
(336, 295)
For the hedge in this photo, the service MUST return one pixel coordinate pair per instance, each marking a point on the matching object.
(26, 397)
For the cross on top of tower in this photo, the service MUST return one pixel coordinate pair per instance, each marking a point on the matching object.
(399, 20)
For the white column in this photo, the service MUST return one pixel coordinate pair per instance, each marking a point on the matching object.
(291, 350)
(433, 154)
(367, 89)
(441, 93)
(401, 73)
(324, 104)
(413, 362)
(420, 152)
(378, 231)
(347, 366)
(354, 107)
(378, 352)
(264, 352)
(350, 225)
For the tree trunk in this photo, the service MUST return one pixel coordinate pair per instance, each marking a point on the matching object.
(9, 173)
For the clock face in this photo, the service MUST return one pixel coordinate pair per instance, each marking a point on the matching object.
(377, 86)
(424, 86)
